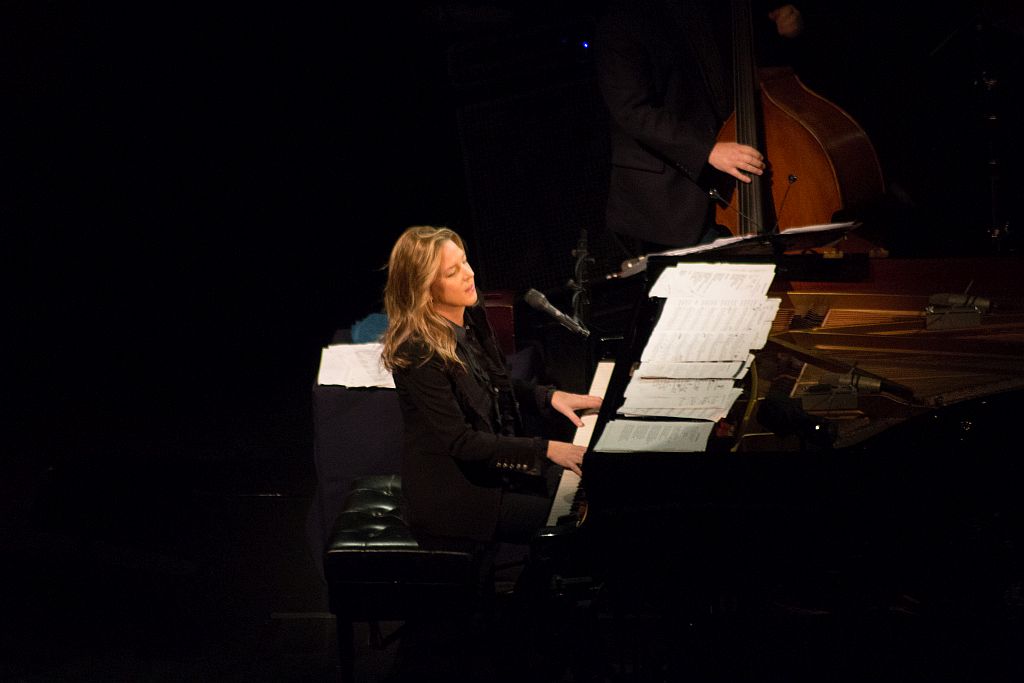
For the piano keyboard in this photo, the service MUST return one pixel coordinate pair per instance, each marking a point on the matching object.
(569, 482)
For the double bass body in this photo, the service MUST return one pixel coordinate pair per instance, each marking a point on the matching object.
(820, 161)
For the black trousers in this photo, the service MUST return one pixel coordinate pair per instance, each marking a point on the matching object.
(524, 511)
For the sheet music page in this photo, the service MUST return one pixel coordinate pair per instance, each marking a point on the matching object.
(353, 365)
(715, 280)
(726, 241)
(696, 398)
(624, 436)
(770, 309)
(821, 227)
(716, 315)
(679, 347)
(695, 370)
(714, 414)
(686, 392)
(720, 242)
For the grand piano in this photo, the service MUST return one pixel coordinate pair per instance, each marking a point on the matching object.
(858, 512)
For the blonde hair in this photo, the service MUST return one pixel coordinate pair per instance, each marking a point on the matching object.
(412, 268)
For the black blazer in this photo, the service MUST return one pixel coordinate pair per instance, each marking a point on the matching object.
(665, 84)
(665, 72)
(455, 461)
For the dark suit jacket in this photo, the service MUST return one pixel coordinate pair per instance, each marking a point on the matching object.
(663, 80)
(455, 460)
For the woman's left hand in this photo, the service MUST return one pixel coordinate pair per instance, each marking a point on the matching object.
(567, 404)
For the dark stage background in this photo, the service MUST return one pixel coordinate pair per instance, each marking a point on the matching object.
(199, 196)
(196, 196)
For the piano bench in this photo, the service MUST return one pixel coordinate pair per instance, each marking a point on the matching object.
(376, 570)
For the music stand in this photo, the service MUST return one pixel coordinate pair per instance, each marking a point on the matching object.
(783, 248)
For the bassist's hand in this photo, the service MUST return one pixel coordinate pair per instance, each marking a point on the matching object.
(788, 21)
(737, 160)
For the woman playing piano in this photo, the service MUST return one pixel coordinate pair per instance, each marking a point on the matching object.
(468, 471)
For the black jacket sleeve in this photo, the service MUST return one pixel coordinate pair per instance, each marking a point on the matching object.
(440, 413)
(651, 100)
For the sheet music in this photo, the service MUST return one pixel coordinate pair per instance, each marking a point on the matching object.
(838, 228)
(694, 370)
(718, 243)
(679, 347)
(715, 280)
(821, 227)
(699, 399)
(353, 365)
(712, 414)
(623, 436)
(716, 315)
(685, 392)
(713, 317)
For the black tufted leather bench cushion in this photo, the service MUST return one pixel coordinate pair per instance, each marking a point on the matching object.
(376, 570)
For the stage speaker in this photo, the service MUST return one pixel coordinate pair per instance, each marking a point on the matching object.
(533, 132)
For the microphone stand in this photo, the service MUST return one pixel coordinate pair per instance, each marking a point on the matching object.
(579, 286)
(988, 82)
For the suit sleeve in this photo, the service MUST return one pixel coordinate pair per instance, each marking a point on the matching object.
(626, 79)
(434, 415)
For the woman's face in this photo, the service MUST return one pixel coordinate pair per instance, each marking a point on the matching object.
(453, 289)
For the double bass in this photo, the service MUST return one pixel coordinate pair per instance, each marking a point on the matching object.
(821, 163)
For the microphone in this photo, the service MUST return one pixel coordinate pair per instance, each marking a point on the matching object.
(715, 195)
(866, 384)
(541, 303)
(853, 379)
(956, 300)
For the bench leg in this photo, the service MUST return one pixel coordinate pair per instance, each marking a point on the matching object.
(346, 649)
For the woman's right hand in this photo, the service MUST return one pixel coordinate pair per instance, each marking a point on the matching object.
(566, 455)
